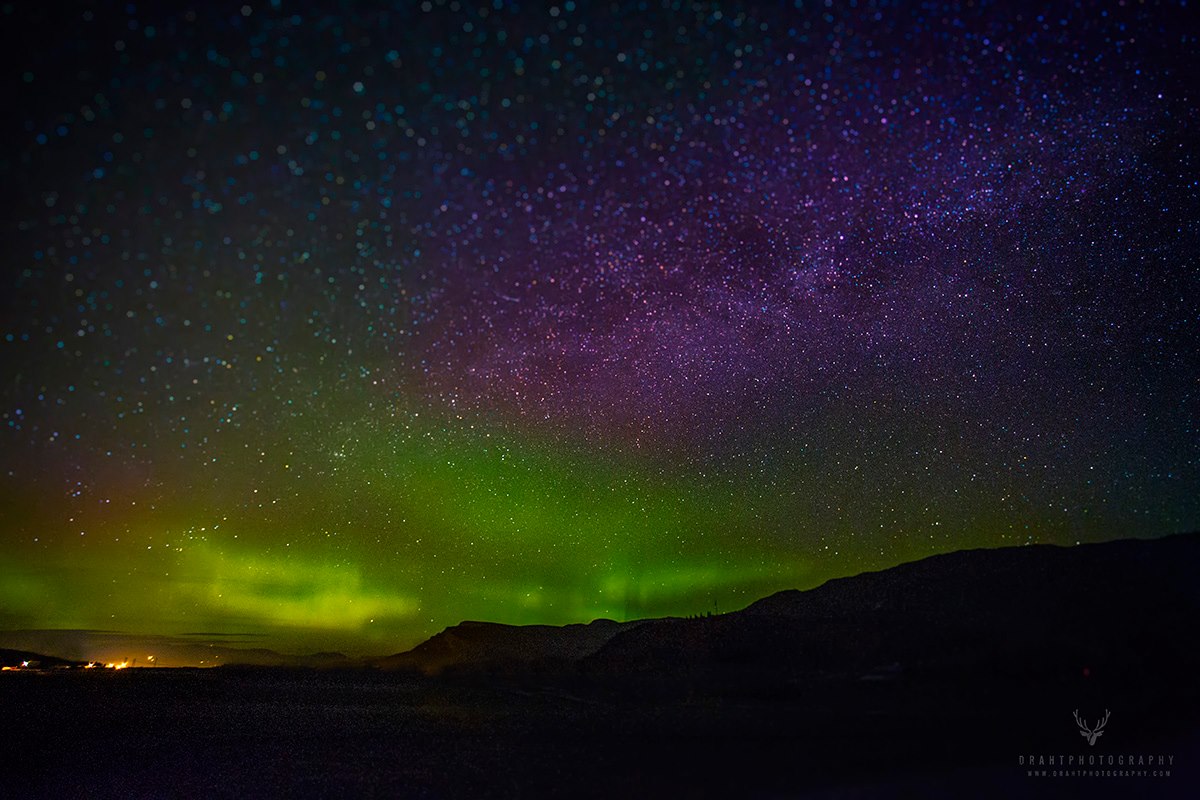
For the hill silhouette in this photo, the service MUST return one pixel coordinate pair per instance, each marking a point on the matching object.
(492, 646)
(17, 658)
(1114, 606)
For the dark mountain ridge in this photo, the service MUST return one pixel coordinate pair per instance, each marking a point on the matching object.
(14, 659)
(1114, 605)
(1110, 606)
(472, 645)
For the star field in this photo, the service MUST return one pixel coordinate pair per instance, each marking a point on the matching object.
(340, 325)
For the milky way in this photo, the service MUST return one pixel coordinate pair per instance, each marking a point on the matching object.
(341, 326)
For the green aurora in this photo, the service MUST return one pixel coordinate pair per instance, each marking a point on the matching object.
(371, 542)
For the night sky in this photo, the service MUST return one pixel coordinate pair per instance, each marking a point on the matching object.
(330, 328)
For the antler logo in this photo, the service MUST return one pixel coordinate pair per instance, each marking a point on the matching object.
(1091, 734)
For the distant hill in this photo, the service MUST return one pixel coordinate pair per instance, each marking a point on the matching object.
(17, 658)
(493, 646)
(109, 646)
(1114, 606)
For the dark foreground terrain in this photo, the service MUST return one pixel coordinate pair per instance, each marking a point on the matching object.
(930, 680)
